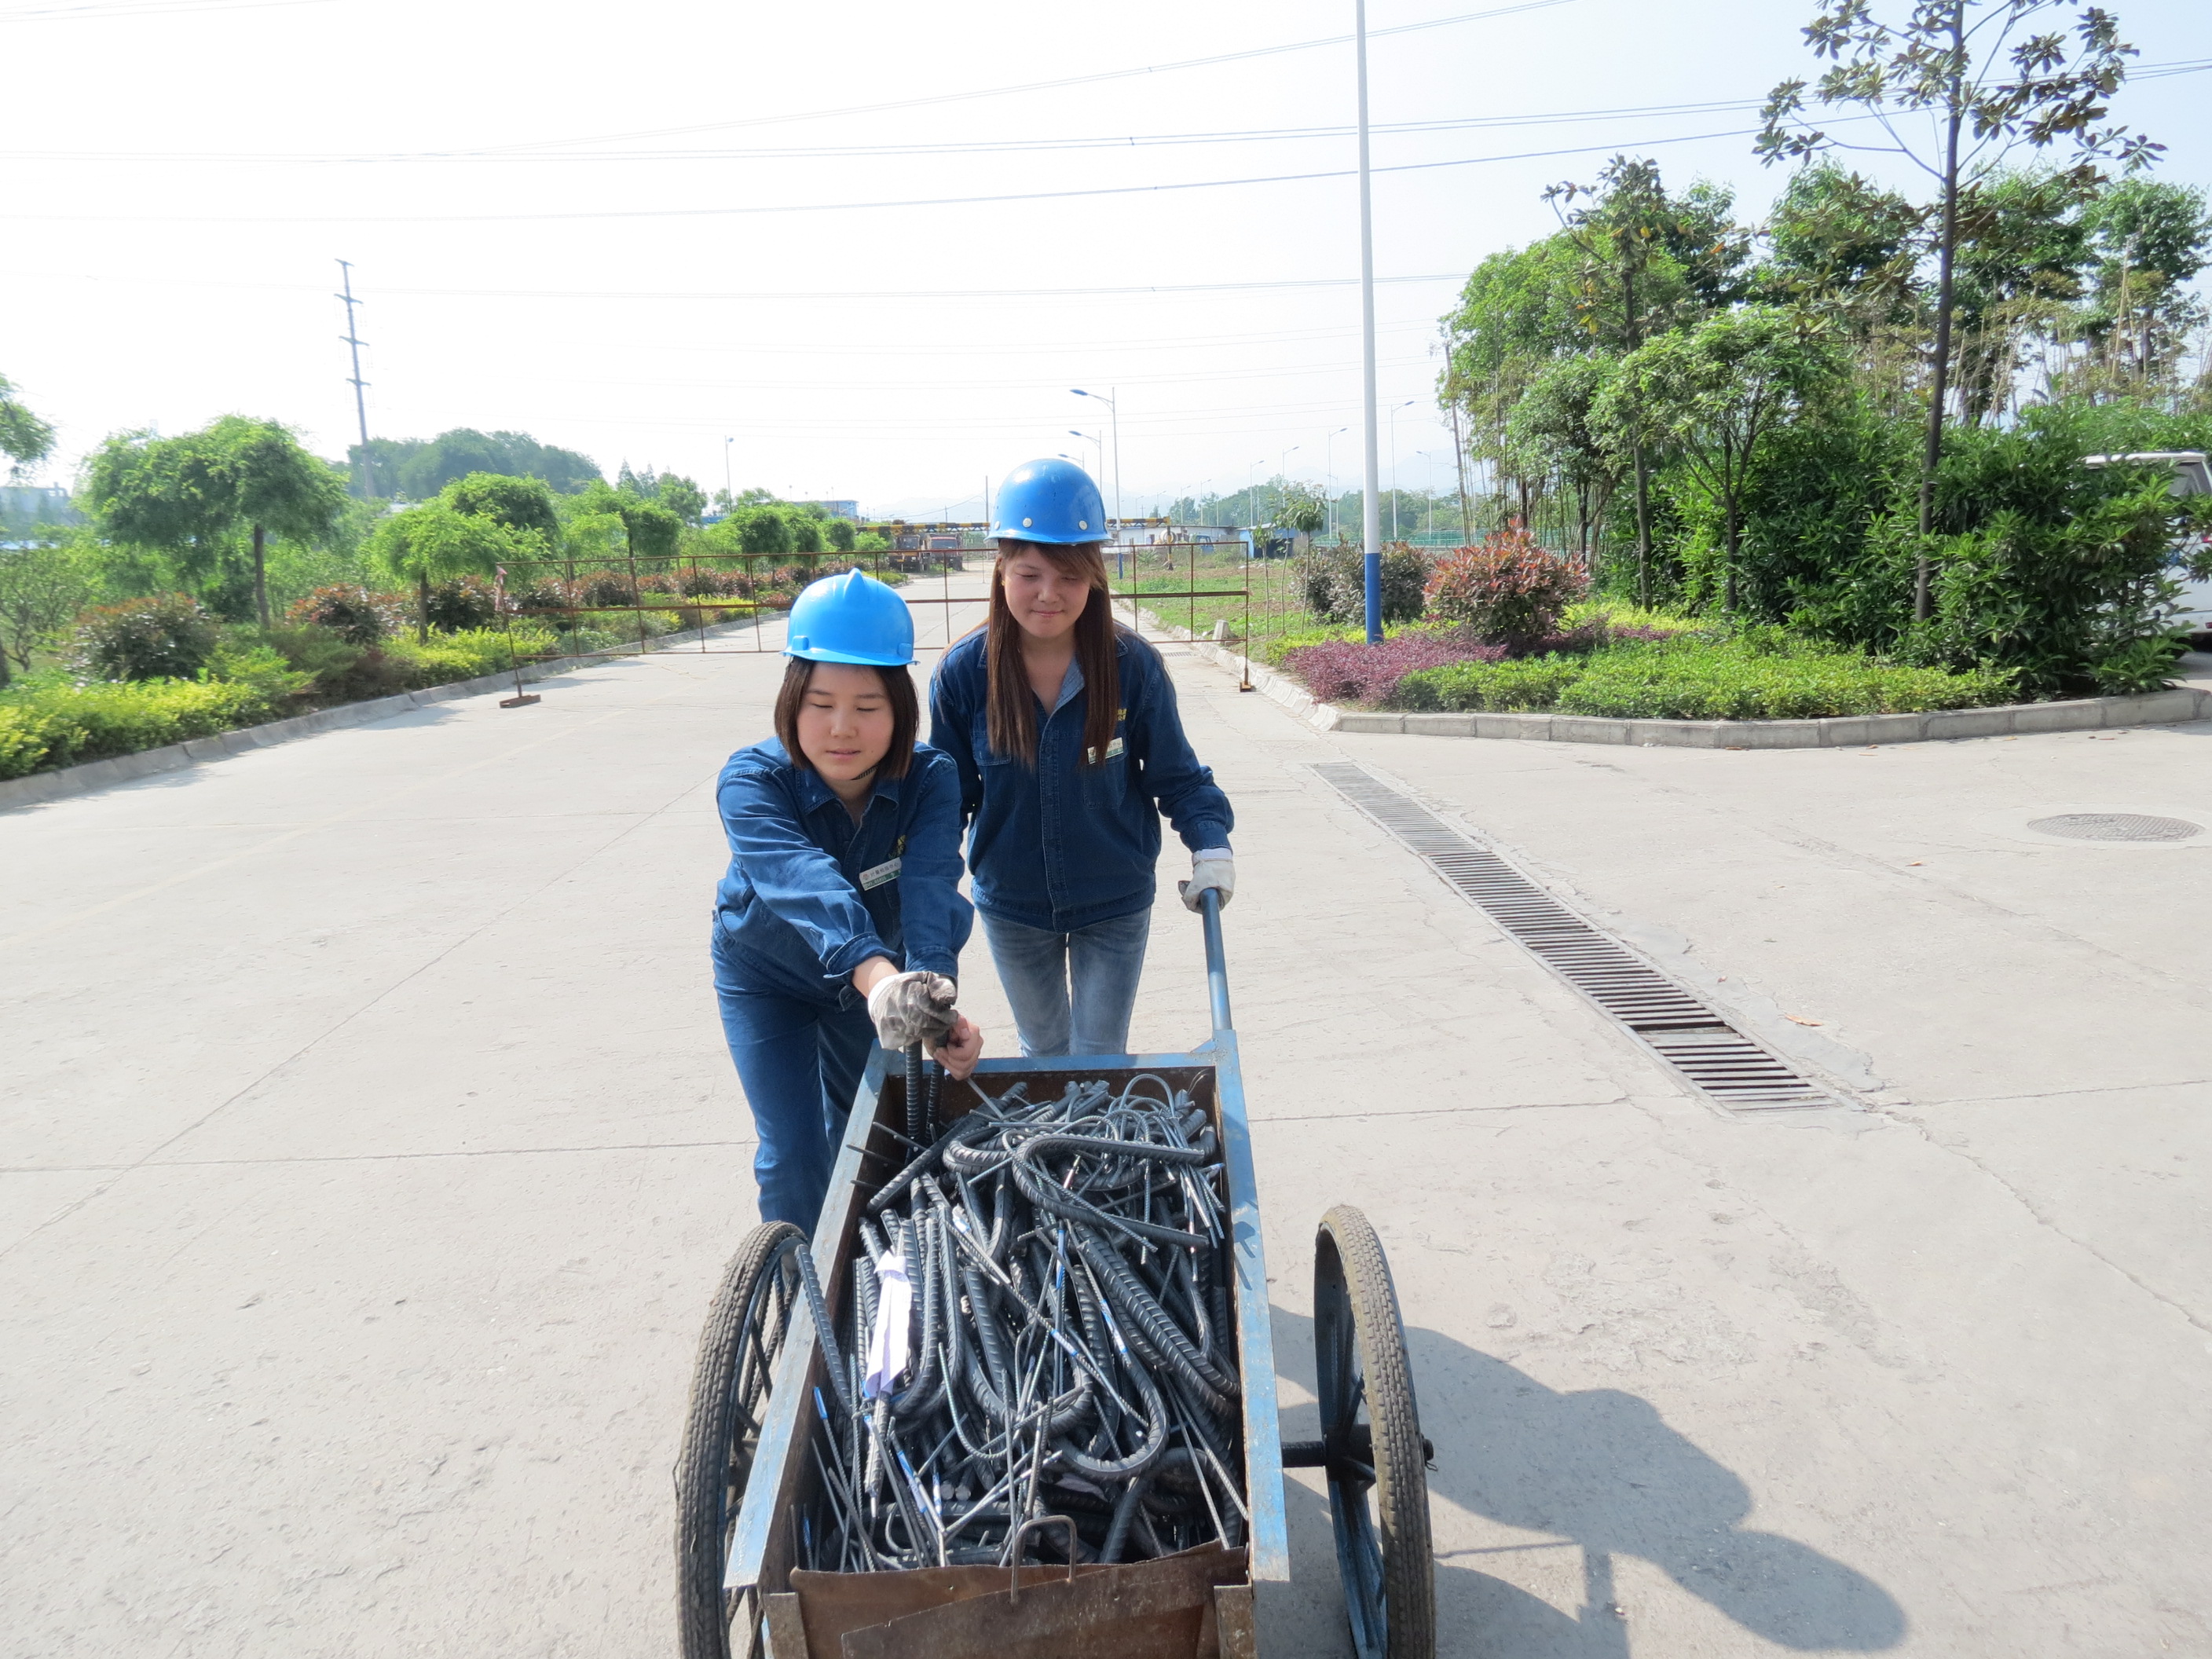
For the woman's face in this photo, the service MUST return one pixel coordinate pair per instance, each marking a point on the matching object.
(844, 722)
(1045, 600)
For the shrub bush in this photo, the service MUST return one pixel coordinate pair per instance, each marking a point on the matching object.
(166, 636)
(1508, 588)
(23, 741)
(1332, 580)
(464, 602)
(352, 613)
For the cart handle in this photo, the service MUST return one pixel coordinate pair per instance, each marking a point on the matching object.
(1217, 963)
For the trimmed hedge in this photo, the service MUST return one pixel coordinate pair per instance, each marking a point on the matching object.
(1736, 679)
(51, 721)
(61, 725)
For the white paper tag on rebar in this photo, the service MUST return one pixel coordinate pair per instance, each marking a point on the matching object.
(887, 1349)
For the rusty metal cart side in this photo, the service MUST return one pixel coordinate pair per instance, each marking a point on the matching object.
(744, 1476)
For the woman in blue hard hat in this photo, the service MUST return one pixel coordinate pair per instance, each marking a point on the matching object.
(1070, 749)
(840, 919)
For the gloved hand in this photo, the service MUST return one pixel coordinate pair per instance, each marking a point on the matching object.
(911, 1008)
(1210, 866)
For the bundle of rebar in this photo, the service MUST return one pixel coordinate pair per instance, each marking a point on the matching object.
(1065, 1347)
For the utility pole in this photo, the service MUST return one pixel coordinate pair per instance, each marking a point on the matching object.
(360, 402)
(1459, 457)
(729, 486)
(1371, 515)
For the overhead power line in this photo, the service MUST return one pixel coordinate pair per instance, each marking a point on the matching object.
(721, 294)
(851, 207)
(1036, 86)
(848, 152)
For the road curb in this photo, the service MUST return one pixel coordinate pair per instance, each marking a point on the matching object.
(2174, 706)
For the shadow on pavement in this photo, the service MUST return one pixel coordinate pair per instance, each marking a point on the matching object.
(1601, 1470)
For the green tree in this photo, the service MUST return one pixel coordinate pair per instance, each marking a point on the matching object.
(2022, 246)
(1303, 510)
(2148, 239)
(1716, 392)
(24, 438)
(683, 497)
(1990, 86)
(190, 497)
(1844, 250)
(519, 503)
(417, 470)
(1649, 261)
(436, 542)
(1550, 431)
(44, 582)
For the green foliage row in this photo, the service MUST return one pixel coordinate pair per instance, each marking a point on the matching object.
(248, 675)
(1758, 676)
(60, 724)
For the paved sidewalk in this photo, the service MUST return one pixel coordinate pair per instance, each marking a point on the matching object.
(371, 1150)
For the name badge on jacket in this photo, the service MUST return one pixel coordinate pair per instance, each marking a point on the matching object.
(1112, 750)
(870, 879)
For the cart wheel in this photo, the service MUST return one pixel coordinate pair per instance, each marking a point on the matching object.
(1378, 1493)
(746, 1325)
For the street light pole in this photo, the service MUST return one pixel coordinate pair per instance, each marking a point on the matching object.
(729, 484)
(1371, 526)
(1328, 467)
(1409, 403)
(1113, 413)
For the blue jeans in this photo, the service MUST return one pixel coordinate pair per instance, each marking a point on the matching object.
(1104, 962)
(800, 1062)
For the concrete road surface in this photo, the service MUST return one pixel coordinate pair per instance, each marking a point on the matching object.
(370, 1152)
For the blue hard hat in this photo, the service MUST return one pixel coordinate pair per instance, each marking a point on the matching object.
(850, 618)
(1050, 502)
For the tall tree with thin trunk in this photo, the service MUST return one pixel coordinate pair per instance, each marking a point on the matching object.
(191, 497)
(24, 438)
(1955, 88)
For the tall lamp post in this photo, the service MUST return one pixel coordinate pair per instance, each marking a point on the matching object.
(1371, 526)
(1409, 403)
(1328, 467)
(729, 485)
(1114, 417)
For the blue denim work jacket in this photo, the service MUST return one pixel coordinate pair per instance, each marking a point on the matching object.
(811, 895)
(1063, 845)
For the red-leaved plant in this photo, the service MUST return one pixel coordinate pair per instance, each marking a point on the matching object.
(1508, 588)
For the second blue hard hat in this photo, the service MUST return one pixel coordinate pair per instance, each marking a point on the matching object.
(1053, 502)
(851, 619)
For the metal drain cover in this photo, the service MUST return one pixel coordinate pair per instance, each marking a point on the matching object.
(1702, 1046)
(2116, 826)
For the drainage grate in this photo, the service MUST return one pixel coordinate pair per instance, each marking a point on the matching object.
(2116, 826)
(1704, 1048)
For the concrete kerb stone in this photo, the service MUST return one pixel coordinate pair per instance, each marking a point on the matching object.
(2178, 705)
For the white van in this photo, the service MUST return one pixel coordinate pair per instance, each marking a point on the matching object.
(2191, 476)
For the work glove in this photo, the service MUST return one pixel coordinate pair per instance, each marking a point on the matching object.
(911, 1008)
(1210, 866)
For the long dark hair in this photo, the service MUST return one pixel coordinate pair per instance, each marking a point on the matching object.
(1012, 705)
(899, 688)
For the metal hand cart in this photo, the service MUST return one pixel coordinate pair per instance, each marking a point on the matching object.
(743, 1472)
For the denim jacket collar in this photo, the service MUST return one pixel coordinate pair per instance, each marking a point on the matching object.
(814, 794)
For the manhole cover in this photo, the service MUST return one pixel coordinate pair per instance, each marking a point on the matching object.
(2116, 826)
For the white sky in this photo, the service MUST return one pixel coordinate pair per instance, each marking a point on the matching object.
(543, 247)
